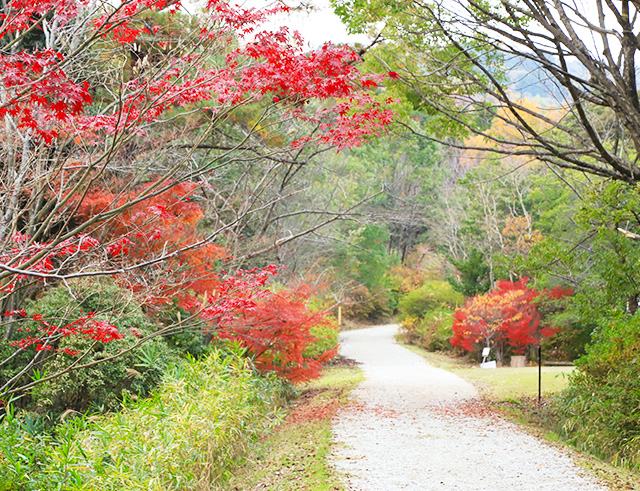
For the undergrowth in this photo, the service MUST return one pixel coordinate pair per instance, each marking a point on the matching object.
(189, 434)
(297, 455)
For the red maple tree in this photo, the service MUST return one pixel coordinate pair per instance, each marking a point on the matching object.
(68, 133)
(274, 326)
(507, 315)
(160, 233)
(41, 96)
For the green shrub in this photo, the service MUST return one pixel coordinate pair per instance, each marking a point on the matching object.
(191, 338)
(599, 412)
(431, 295)
(187, 435)
(192, 341)
(473, 275)
(570, 341)
(101, 386)
(326, 339)
(432, 332)
(435, 330)
(364, 257)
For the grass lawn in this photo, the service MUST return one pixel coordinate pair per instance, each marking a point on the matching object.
(509, 383)
(502, 383)
(295, 455)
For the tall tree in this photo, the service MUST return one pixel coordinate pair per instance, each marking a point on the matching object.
(583, 55)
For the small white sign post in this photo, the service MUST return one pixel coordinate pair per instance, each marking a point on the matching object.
(485, 354)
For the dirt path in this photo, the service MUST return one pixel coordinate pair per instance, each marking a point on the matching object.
(412, 426)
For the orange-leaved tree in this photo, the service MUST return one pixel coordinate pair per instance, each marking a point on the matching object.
(276, 327)
(163, 231)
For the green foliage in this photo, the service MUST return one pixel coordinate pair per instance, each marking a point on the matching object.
(600, 259)
(431, 295)
(552, 203)
(427, 315)
(103, 385)
(326, 340)
(473, 275)
(365, 258)
(190, 339)
(599, 411)
(615, 258)
(414, 40)
(573, 335)
(359, 14)
(431, 332)
(187, 435)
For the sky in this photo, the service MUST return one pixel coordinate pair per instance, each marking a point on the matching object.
(317, 26)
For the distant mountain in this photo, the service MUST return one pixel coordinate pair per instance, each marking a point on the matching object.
(530, 80)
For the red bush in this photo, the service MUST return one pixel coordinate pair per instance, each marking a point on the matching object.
(275, 327)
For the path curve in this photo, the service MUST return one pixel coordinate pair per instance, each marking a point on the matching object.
(406, 430)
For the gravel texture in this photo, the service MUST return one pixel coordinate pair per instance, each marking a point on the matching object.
(414, 426)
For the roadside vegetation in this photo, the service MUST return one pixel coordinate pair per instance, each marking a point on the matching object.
(506, 383)
(296, 455)
(154, 163)
(189, 434)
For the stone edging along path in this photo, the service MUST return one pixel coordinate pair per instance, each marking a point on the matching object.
(413, 426)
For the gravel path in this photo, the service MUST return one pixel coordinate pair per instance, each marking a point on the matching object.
(414, 426)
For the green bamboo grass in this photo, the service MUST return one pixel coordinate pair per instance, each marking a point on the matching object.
(189, 434)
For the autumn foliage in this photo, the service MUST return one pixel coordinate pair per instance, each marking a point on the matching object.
(84, 206)
(44, 336)
(161, 232)
(507, 315)
(43, 98)
(181, 268)
(274, 327)
(277, 331)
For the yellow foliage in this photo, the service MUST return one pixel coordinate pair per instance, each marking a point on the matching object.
(519, 236)
(505, 127)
